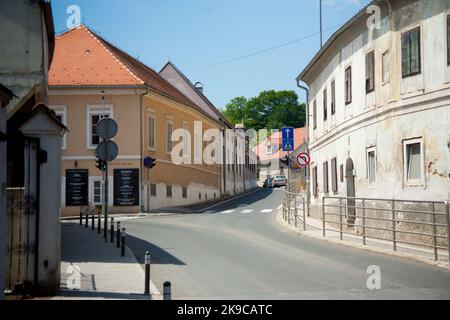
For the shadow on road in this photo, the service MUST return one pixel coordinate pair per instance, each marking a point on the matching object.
(158, 255)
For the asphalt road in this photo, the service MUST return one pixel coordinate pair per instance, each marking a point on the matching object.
(239, 251)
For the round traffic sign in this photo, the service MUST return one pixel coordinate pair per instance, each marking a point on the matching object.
(107, 128)
(303, 159)
(107, 151)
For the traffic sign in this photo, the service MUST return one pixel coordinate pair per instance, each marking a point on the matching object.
(107, 151)
(288, 139)
(107, 128)
(303, 159)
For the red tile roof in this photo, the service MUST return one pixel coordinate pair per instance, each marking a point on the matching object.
(83, 58)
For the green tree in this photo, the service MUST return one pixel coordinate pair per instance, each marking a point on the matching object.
(269, 110)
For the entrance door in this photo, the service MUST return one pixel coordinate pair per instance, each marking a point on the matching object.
(350, 178)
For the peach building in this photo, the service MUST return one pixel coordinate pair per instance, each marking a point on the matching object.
(91, 79)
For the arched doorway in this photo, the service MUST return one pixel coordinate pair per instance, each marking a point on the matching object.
(351, 192)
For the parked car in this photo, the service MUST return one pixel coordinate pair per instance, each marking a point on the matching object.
(268, 183)
(280, 181)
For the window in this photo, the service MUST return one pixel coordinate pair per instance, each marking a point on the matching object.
(153, 190)
(325, 177)
(414, 161)
(334, 182)
(341, 173)
(314, 114)
(151, 131)
(348, 85)
(94, 115)
(371, 165)
(314, 184)
(268, 149)
(333, 97)
(325, 111)
(411, 53)
(386, 67)
(169, 191)
(448, 40)
(184, 192)
(98, 192)
(370, 72)
(169, 130)
(61, 115)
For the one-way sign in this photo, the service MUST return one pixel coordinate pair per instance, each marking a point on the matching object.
(288, 139)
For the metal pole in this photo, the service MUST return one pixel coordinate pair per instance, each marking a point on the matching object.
(289, 171)
(433, 208)
(122, 248)
(167, 291)
(99, 222)
(86, 219)
(448, 229)
(323, 216)
(81, 216)
(149, 193)
(304, 215)
(92, 221)
(106, 200)
(118, 234)
(147, 273)
(364, 221)
(295, 211)
(393, 225)
(112, 230)
(340, 220)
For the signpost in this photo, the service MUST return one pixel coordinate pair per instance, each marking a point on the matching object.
(107, 151)
(303, 159)
(288, 145)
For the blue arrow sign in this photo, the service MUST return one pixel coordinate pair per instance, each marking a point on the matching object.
(288, 139)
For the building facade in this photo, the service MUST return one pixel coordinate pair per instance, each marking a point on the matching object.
(30, 158)
(91, 79)
(380, 105)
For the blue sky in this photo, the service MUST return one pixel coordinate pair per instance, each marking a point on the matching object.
(198, 33)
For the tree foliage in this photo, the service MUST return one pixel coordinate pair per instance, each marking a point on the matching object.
(270, 110)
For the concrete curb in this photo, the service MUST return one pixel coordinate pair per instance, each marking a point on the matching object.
(409, 256)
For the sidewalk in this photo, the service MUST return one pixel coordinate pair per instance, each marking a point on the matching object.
(314, 230)
(104, 274)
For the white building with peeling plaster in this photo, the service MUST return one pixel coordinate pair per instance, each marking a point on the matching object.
(379, 105)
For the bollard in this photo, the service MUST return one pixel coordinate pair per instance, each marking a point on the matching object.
(112, 230)
(118, 234)
(93, 222)
(99, 223)
(87, 220)
(81, 216)
(122, 248)
(167, 291)
(147, 273)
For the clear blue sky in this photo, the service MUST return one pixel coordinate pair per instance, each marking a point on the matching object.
(196, 33)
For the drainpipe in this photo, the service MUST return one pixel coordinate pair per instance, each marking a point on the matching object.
(141, 165)
(308, 173)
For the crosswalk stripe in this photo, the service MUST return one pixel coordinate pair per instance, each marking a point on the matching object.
(227, 211)
(247, 211)
(266, 211)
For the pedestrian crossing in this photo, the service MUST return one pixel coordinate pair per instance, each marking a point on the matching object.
(247, 211)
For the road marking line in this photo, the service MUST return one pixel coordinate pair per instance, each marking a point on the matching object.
(266, 211)
(247, 211)
(227, 211)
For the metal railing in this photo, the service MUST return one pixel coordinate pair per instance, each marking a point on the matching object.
(418, 223)
(294, 208)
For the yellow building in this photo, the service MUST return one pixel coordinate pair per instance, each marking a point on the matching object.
(91, 79)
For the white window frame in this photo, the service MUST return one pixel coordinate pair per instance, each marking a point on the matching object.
(93, 181)
(96, 110)
(169, 120)
(386, 54)
(268, 149)
(61, 110)
(417, 182)
(370, 150)
(151, 114)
